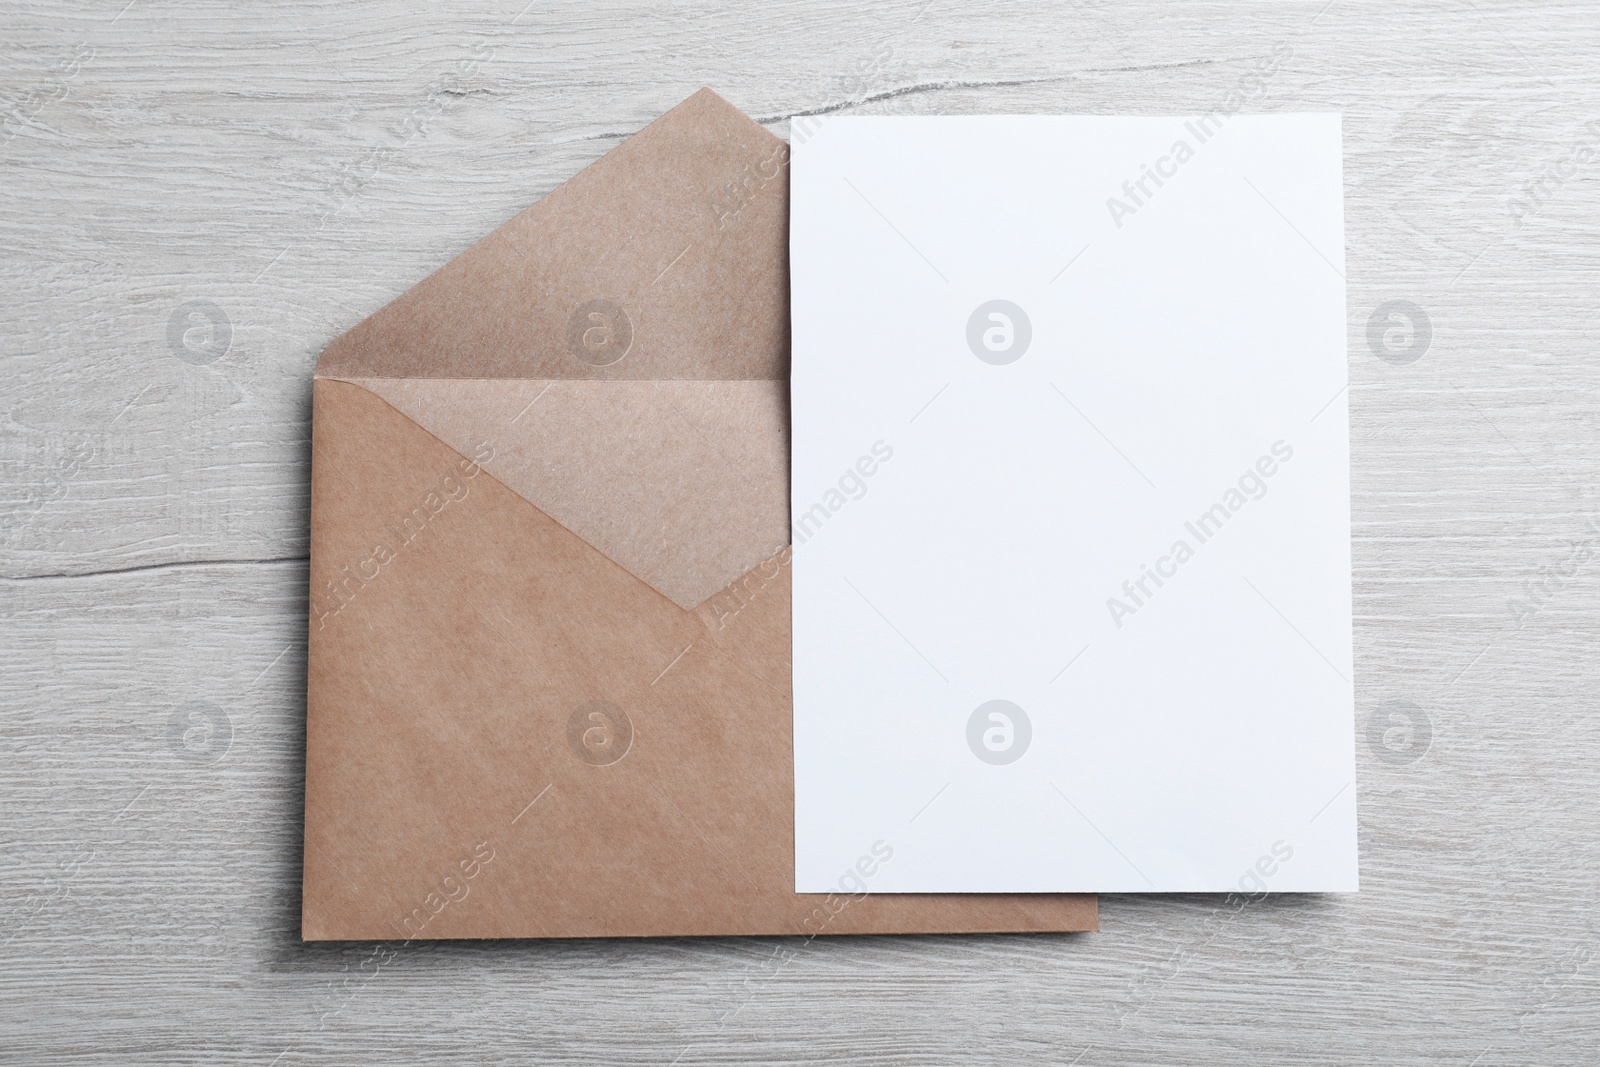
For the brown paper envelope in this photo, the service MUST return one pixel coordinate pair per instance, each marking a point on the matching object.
(548, 688)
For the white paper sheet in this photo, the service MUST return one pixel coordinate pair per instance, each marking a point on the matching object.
(1071, 505)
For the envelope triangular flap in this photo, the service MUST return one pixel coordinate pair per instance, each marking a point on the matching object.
(618, 353)
(660, 260)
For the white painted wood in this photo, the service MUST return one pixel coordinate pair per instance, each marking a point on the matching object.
(299, 165)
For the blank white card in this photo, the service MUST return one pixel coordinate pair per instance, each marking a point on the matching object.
(1071, 505)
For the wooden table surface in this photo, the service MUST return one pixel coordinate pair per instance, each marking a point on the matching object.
(283, 171)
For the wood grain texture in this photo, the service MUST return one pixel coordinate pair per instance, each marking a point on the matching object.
(299, 165)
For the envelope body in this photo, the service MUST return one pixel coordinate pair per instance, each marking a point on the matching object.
(548, 680)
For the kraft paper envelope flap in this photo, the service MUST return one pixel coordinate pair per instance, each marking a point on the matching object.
(548, 681)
